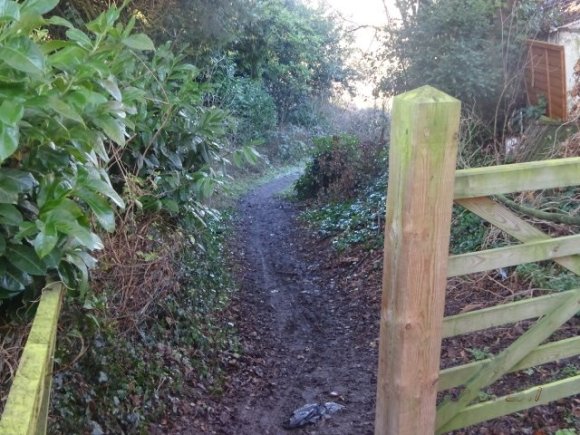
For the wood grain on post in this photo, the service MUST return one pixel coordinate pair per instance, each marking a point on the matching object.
(423, 149)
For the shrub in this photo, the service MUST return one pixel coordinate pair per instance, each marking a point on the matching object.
(356, 222)
(339, 166)
(61, 103)
(252, 107)
(85, 118)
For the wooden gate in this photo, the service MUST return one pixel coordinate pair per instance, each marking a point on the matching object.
(546, 77)
(419, 203)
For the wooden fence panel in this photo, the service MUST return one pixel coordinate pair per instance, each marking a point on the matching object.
(546, 76)
(535, 396)
(450, 410)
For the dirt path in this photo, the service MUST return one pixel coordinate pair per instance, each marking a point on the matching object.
(299, 344)
(307, 319)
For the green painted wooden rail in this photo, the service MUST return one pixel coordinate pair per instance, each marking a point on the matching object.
(26, 410)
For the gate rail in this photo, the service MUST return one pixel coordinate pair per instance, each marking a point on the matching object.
(423, 184)
(26, 410)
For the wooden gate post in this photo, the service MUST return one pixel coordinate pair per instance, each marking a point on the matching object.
(423, 149)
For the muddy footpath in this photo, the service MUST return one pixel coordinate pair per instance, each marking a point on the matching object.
(300, 338)
(307, 321)
(294, 328)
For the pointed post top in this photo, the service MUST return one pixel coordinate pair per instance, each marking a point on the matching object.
(427, 94)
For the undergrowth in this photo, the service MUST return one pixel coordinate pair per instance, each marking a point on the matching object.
(549, 276)
(361, 222)
(116, 377)
(357, 221)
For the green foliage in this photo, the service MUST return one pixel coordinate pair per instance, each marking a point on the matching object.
(471, 49)
(357, 222)
(127, 380)
(360, 221)
(203, 25)
(447, 44)
(296, 51)
(178, 141)
(68, 107)
(252, 107)
(332, 157)
(62, 103)
(468, 231)
(548, 276)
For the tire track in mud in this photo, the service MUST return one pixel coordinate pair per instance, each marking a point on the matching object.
(296, 326)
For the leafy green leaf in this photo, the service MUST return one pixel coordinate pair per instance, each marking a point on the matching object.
(12, 90)
(113, 128)
(8, 195)
(46, 240)
(12, 279)
(80, 37)
(99, 186)
(171, 205)
(40, 7)
(59, 21)
(79, 263)
(69, 58)
(9, 10)
(110, 85)
(25, 259)
(131, 94)
(100, 207)
(139, 41)
(87, 258)
(2, 244)
(64, 109)
(85, 237)
(9, 137)
(27, 229)
(22, 180)
(53, 259)
(9, 215)
(61, 209)
(11, 112)
(23, 54)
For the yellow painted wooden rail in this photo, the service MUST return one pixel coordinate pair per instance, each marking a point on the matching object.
(26, 409)
(423, 184)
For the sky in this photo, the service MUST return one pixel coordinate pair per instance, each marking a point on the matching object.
(361, 13)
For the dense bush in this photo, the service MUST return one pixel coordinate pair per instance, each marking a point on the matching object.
(309, 56)
(82, 119)
(447, 44)
(251, 105)
(355, 222)
(338, 166)
(471, 49)
(62, 107)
